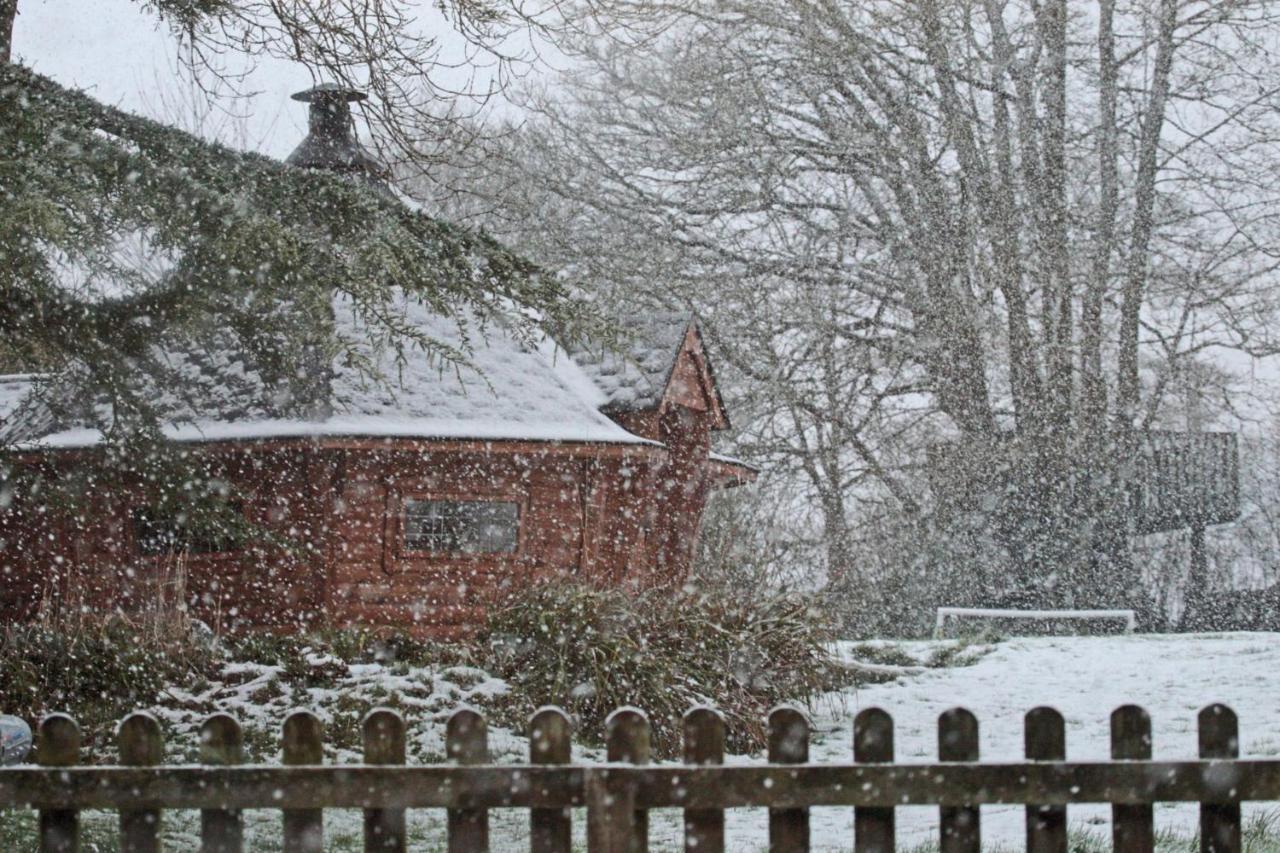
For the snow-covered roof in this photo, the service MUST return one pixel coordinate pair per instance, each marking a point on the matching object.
(510, 389)
(635, 377)
(14, 388)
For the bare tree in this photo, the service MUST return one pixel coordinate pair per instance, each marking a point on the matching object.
(1002, 225)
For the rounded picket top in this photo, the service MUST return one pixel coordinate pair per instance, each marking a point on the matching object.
(221, 740)
(139, 741)
(1219, 731)
(550, 736)
(873, 736)
(383, 732)
(704, 735)
(302, 739)
(58, 741)
(957, 735)
(1130, 733)
(627, 736)
(788, 735)
(1044, 734)
(466, 738)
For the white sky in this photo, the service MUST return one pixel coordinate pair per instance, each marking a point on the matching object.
(124, 56)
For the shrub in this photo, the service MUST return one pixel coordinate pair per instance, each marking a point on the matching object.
(97, 671)
(591, 650)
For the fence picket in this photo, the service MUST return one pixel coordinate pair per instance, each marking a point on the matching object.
(221, 745)
(627, 742)
(1219, 822)
(139, 743)
(302, 742)
(958, 741)
(788, 744)
(1045, 739)
(384, 743)
(550, 830)
(873, 828)
(467, 742)
(58, 745)
(703, 744)
(1132, 826)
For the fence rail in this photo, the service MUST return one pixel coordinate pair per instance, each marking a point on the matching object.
(618, 793)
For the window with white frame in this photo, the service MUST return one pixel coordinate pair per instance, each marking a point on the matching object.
(461, 527)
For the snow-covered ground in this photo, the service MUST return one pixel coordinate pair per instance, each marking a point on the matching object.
(1084, 677)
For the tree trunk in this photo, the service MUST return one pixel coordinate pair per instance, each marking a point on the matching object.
(8, 11)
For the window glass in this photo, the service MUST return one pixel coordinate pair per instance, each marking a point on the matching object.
(461, 527)
(158, 533)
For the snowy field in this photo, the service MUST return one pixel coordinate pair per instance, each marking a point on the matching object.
(1085, 678)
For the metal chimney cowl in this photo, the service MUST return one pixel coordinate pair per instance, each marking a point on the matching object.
(330, 143)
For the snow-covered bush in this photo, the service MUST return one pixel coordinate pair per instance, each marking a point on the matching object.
(591, 650)
(97, 670)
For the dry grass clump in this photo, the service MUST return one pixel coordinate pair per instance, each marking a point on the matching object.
(97, 669)
(592, 650)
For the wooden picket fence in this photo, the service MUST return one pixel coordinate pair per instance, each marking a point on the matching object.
(618, 793)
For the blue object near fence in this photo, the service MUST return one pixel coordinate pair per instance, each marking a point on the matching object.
(15, 740)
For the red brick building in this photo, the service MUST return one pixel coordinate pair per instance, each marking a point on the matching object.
(406, 502)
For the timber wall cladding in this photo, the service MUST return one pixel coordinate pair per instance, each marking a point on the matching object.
(337, 516)
(617, 795)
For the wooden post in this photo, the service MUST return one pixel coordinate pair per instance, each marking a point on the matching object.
(221, 745)
(1132, 826)
(614, 825)
(550, 830)
(466, 742)
(703, 744)
(958, 741)
(302, 741)
(788, 744)
(1045, 739)
(873, 828)
(139, 743)
(611, 811)
(1220, 821)
(58, 745)
(384, 743)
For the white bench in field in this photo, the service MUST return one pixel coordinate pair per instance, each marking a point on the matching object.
(1130, 619)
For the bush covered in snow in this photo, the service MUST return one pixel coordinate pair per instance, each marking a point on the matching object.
(591, 650)
(97, 670)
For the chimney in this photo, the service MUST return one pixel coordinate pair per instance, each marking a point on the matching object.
(330, 143)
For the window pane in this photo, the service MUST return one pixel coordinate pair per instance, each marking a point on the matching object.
(461, 527)
(158, 533)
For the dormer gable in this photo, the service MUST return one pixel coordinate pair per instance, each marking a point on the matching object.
(691, 382)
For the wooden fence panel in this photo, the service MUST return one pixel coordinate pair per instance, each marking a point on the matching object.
(788, 744)
(1045, 739)
(873, 826)
(1219, 737)
(384, 743)
(550, 732)
(58, 745)
(221, 745)
(618, 794)
(302, 742)
(958, 741)
(703, 745)
(139, 743)
(1132, 826)
(466, 741)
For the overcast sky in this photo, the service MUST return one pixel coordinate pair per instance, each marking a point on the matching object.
(125, 56)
